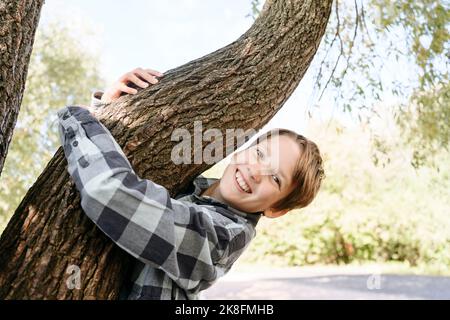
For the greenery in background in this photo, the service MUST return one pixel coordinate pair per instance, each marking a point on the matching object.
(427, 119)
(61, 72)
(366, 41)
(364, 212)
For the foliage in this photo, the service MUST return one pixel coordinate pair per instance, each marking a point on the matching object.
(378, 49)
(61, 71)
(427, 119)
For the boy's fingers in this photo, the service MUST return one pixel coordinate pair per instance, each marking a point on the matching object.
(147, 76)
(125, 88)
(154, 72)
(137, 81)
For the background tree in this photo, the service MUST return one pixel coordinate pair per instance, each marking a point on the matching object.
(366, 42)
(412, 34)
(61, 71)
(241, 85)
(18, 22)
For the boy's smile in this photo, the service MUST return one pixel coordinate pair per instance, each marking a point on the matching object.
(241, 182)
(259, 176)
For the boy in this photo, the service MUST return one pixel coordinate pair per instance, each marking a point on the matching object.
(182, 245)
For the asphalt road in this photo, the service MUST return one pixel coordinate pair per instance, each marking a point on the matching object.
(324, 284)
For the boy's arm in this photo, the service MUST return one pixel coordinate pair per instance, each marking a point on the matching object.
(185, 241)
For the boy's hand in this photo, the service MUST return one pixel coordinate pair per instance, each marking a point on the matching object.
(129, 81)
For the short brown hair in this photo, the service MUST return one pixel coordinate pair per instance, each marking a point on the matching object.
(308, 174)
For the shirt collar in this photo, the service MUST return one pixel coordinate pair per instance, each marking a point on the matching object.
(202, 183)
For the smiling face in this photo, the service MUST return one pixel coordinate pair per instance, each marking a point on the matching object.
(260, 175)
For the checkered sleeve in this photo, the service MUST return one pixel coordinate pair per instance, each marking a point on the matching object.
(192, 244)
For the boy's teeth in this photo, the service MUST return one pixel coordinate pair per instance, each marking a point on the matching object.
(241, 182)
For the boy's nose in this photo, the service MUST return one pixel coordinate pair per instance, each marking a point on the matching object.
(255, 174)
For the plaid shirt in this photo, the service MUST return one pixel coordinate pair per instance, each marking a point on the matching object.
(182, 245)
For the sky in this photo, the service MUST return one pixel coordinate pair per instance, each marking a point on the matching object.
(159, 34)
(162, 35)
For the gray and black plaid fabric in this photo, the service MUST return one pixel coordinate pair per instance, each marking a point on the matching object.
(181, 245)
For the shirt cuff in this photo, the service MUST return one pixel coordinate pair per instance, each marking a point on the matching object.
(66, 120)
(96, 99)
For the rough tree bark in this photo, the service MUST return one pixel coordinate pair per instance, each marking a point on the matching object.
(18, 24)
(241, 85)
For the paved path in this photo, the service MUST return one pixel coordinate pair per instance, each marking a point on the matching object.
(326, 283)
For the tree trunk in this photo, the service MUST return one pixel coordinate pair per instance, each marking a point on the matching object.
(241, 85)
(18, 24)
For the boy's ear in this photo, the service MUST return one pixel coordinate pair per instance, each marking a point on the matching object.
(270, 213)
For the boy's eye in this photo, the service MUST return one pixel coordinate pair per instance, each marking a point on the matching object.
(275, 178)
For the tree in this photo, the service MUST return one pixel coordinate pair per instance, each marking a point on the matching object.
(425, 125)
(61, 72)
(241, 85)
(367, 39)
(18, 21)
